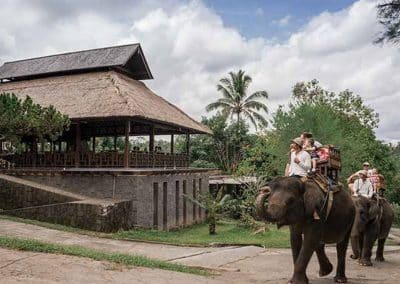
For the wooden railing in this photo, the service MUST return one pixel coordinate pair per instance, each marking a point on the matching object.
(109, 159)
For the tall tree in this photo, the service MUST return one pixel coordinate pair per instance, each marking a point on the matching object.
(23, 118)
(389, 17)
(235, 101)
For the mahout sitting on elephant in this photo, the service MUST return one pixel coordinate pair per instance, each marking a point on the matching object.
(292, 201)
(373, 220)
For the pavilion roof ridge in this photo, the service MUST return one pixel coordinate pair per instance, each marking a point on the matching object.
(128, 58)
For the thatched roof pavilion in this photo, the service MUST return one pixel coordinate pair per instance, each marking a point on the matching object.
(100, 92)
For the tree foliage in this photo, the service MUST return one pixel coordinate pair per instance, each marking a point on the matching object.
(224, 149)
(23, 118)
(341, 119)
(235, 101)
(389, 17)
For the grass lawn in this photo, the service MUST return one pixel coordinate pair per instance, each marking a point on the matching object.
(120, 258)
(228, 233)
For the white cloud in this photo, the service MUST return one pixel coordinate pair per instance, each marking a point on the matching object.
(283, 21)
(189, 48)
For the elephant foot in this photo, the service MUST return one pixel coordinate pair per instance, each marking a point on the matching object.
(323, 271)
(365, 262)
(380, 258)
(298, 280)
(340, 279)
(353, 256)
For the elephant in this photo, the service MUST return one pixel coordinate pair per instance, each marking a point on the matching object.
(373, 220)
(292, 201)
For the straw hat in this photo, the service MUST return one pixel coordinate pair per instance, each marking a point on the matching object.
(298, 141)
(363, 172)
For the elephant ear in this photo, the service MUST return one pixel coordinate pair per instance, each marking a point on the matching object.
(312, 198)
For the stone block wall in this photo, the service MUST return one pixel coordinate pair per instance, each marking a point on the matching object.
(157, 200)
(18, 195)
(82, 214)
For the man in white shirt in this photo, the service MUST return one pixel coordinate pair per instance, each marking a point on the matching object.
(363, 185)
(300, 160)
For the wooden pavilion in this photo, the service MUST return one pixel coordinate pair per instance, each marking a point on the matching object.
(71, 182)
(100, 91)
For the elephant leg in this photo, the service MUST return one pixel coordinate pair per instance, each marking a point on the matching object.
(325, 266)
(341, 249)
(355, 246)
(296, 241)
(310, 243)
(379, 250)
(368, 243)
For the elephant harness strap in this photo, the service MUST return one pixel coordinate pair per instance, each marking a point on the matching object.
(327, 188)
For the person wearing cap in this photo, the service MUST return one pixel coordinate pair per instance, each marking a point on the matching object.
(366, 166)
(300, 160)
(363, 185)
(350, 181)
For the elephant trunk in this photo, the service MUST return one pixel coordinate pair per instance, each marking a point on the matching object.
(260, 205)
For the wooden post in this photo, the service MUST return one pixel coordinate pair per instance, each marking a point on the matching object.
(94, 144)
(126, 147)
(151, 142)
(151, 148)
(172, 151)
(188, 148)
(77, 145)
(42, 145)
(34, 152)
(172, 143)
(115, 143)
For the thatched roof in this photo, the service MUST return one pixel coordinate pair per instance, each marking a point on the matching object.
(103, 95)
(128, 59)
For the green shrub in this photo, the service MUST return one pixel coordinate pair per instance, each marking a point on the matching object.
(396, 209)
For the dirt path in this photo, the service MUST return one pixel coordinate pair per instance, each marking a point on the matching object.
(269, 267)
(234, 264)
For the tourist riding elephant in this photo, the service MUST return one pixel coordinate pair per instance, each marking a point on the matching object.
(293, 202)
(373, 220)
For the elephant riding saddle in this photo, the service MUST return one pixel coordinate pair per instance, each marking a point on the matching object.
(327, 186)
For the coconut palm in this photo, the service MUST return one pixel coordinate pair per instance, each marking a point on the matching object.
(236, 103)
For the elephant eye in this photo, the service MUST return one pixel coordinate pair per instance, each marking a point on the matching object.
(290, 200)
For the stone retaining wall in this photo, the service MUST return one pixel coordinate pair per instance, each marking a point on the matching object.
(18, 195)
(157, 200)
(82, 214)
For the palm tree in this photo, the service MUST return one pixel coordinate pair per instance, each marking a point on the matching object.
(236, 102)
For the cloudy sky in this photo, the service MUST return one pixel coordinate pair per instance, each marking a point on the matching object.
(189, 45)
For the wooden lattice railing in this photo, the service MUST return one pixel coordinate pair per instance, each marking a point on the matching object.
(108, 159)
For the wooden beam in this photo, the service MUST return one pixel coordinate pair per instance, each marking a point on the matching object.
(126, 147)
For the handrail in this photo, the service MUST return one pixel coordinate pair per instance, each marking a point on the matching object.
(109, 159)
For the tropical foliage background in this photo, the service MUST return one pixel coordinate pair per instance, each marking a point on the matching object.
(341, 119)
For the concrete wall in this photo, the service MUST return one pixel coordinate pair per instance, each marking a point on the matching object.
(157, 199)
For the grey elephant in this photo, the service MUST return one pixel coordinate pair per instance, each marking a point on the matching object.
(292, 202)
(373, 220)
